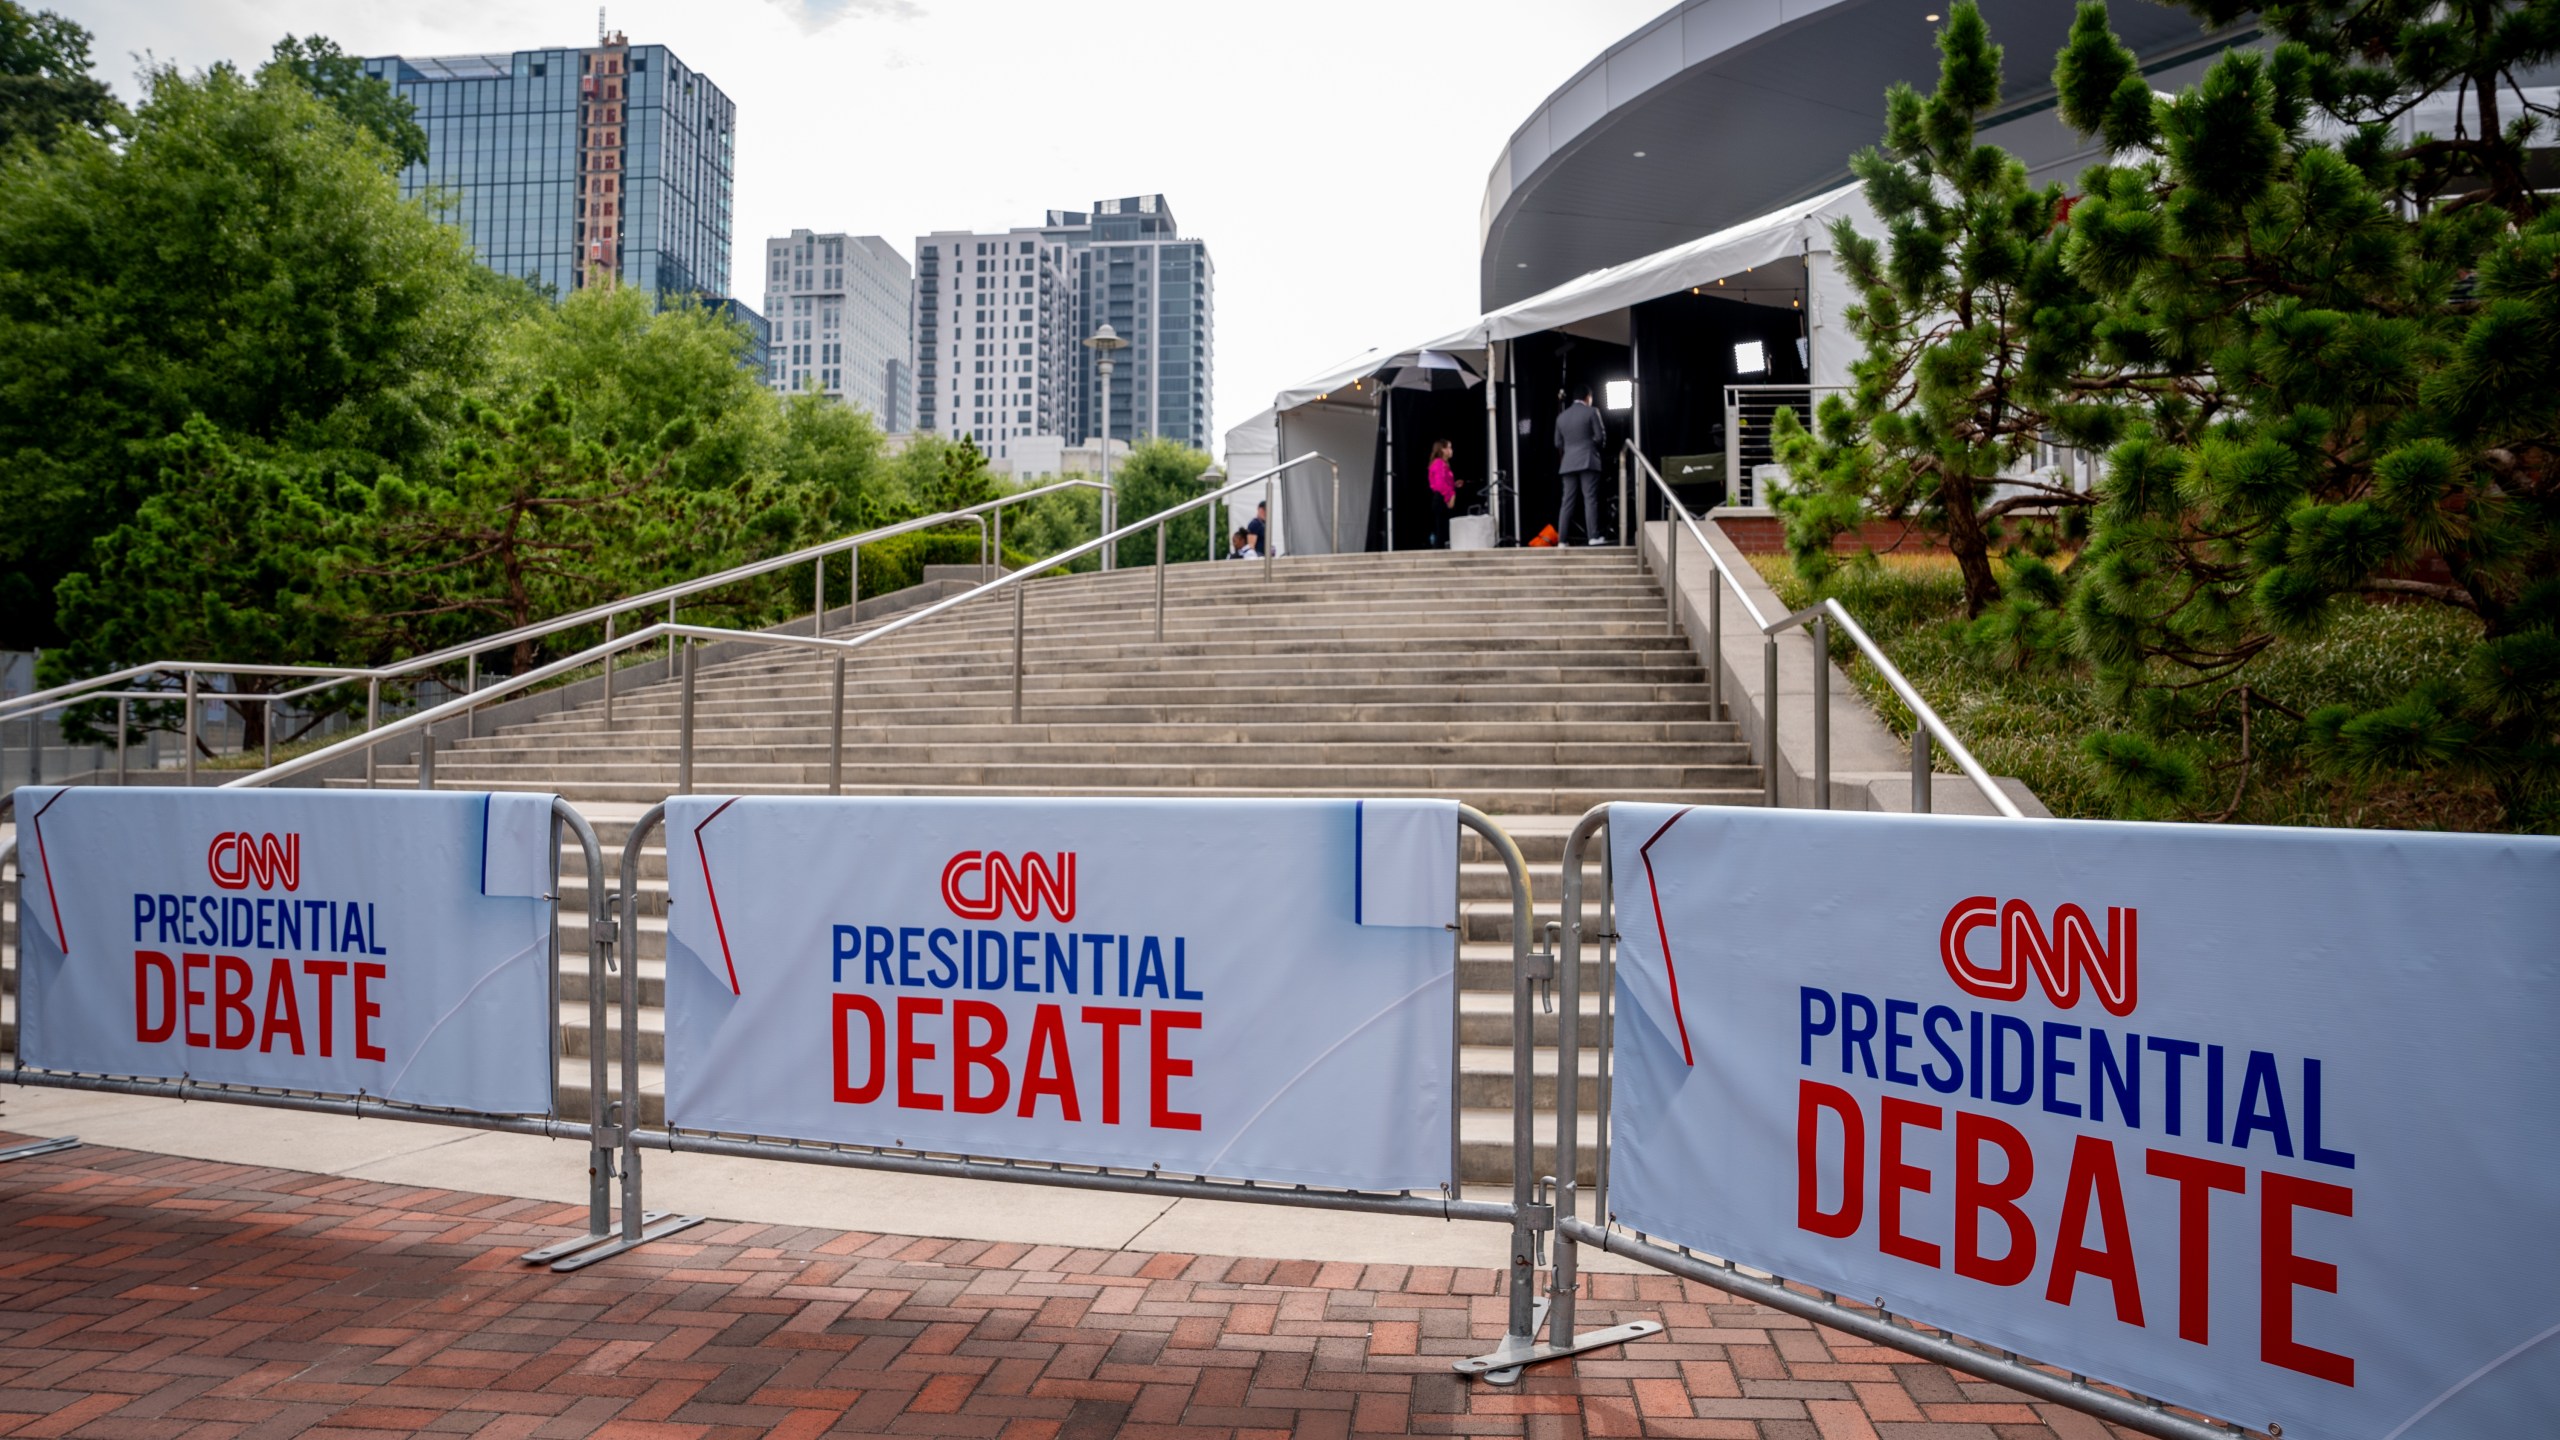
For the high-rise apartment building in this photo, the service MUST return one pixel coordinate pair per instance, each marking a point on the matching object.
(838, 307)
(569, 165)
(1135, 271)
(1000, 318)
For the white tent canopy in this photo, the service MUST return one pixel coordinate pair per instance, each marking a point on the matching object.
(1779, 235)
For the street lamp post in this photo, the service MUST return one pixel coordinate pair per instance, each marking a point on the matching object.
(1103, 343)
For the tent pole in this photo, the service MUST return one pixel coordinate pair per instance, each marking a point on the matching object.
(1387, 398)
(1635, 374)
(1493, 430)
(1510, 363)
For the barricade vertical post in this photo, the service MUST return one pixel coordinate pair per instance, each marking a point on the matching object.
(35, 736)
(684, 725)
(835, 748)
(1531, 1220)
(1566, 1278)
(639, 1226)
(609, 953)
(1821, 712)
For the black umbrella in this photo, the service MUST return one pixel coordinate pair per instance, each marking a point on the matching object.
(1429, 370)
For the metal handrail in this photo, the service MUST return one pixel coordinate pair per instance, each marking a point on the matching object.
(328, 677)
(1926, 722)
(464, 704)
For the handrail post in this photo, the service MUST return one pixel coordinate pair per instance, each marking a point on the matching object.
(1017, 653)
(1769, 716)
(684, 724)
(671, 640)
(835, 752)
(35, 735)
(998, 545)
(1671, 570)
(427, 758)
(853, 586)
(1919, 767)
(1271, 531)
(372, 718)
(124, 709)
(1821, 712)
(610, 657)
(470, 686)
(1159, 582)
(1715, 645)
(1626, 482)
(818, 610)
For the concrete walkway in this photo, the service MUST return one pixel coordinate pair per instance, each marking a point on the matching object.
(763, 1191)
(145, 1296)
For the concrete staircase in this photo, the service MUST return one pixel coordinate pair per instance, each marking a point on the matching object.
(1530, 684)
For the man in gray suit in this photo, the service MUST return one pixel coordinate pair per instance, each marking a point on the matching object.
(1582, 448)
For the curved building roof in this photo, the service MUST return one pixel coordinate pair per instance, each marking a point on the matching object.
(1721, 110)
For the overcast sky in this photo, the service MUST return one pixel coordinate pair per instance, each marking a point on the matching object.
(1334, 157)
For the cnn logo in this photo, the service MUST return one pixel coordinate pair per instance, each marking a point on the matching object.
(983, 884)
(2059, 958)
(237, 859)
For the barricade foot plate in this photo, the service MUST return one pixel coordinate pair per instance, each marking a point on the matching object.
(654, 1225)
(1502, 1367)
(39, 1147)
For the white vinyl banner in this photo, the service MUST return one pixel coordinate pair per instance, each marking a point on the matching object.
(393, 944)
(1185, 985)
(2256, 1121)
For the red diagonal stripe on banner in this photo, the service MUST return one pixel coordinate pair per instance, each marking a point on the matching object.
(717, 925)
(1664, 931)
(36, 823)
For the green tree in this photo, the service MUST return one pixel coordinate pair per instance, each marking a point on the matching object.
(230, 555)
(1158, 475)
(529, 514)
(1951, 396)
(243, 256)
(339, 79)
(45, 84)
(2330, 350)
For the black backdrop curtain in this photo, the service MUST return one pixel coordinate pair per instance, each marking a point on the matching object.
(1684, 351)
(1422, 417)
(1544, 366)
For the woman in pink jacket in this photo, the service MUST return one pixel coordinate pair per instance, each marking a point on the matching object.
(1444, 484)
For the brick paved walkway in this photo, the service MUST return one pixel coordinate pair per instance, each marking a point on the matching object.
(142, 1295)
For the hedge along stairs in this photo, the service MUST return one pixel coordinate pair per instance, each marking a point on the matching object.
(1530, 684)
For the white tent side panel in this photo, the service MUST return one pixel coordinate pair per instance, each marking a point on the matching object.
(1828, 301)
(1348, 436)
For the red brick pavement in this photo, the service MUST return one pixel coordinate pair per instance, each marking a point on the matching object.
(143, 1295)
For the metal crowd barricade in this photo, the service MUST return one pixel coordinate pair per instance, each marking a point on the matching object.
(2005, 1367)
(1527, 1216)
(598, 1129)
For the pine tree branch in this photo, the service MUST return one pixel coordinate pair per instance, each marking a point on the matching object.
(2453, 595)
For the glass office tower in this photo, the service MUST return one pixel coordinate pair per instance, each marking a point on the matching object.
(567, 165)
